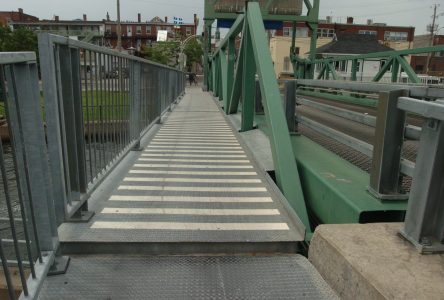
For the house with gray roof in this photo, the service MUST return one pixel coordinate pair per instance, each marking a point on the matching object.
(346, 44)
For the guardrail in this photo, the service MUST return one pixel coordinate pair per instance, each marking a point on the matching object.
(424, 222)
(28, 240)
(98, 103)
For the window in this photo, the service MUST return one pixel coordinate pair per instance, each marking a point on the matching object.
(419, 68)
(382, 64)
(326, 33)
(286, 64)
(395, 36)
(148, 30)
(129, 30)
(341, 66)
(287, 31)
(139, 29)
(369, 32)
(302, 32)
(188, 32)
(108, 29)
(158, 28)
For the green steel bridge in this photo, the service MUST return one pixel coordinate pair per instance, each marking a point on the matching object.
(135, 186)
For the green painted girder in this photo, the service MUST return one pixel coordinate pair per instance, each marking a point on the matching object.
(287, 175)
(233, 32)
(384, 54)
(354, 71)
(383, 70)
(336, 190)
(395, 70)
(236, 93)
(231, 57)
(223, 76)
(408, 69)
(340, 98)
(248, 81)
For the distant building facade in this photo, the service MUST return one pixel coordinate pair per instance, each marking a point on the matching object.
(15, 16)
(395, 37)
(436, 63)
(104, 32)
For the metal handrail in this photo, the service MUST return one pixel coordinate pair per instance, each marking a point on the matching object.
(109, 97)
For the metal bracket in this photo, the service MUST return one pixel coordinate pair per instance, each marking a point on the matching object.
(427, 245)
(81, 216)
(60, 265)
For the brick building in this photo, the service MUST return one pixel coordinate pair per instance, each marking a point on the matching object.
(103, 32)
(395, 37)
(436, 64)
(136, 34)
(15, 16)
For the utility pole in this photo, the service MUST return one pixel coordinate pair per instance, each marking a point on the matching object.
(432, 30)
(119, 28)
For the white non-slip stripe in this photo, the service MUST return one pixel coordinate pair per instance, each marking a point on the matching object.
(197, 130)
(190, 226)
(194, 151)
(197, 160)
(194, 135)
(203, 180)
(195, 147)
(192, 155)
(166, 172)
(192, 211)
(193, 139)
(192, 166)
(155, 142)
(203, 122)
(190, 188)
(146, 198)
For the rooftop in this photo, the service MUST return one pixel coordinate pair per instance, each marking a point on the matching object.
(347, 43)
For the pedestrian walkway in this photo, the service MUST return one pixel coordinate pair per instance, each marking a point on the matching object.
(182, 218)
(195, 183)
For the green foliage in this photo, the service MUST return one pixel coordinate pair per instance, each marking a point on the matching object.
(162, 52)
(21, 39)
(194, 52)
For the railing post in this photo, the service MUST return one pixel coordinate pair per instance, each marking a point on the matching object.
(389, 137)
(135, 90)
(55, 127)
(290, 105)
(354, 70)
(424, 221)
(248, 81)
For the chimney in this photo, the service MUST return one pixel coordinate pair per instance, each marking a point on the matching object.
(349, 20)
(369, 22)
(139, 18)
(107, 16)
(56, 18)
(329, 19)
(166, 19)
(85, 18)
(20, 10)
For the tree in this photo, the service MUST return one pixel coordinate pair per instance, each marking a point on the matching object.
(162, 52)
(193, 50)
(21, 39)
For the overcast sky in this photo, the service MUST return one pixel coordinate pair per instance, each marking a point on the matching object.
(415, 13)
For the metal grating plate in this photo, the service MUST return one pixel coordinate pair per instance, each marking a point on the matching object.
(186, 277)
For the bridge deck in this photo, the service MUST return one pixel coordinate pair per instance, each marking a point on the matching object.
(193, 182)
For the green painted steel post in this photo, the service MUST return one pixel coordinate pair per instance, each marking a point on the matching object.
(231, 55)
(237, 86)
(248, 82)
(207, 50)
(313, 45)
(408, 69)
(223, 76)
(354, 71)
(383, 70)
(287, 174)
(395, 70)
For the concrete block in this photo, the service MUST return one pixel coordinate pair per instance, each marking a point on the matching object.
(371, 261)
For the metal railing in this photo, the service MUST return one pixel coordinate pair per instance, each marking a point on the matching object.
(424, 222)
(28, 235)
(98, 104)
